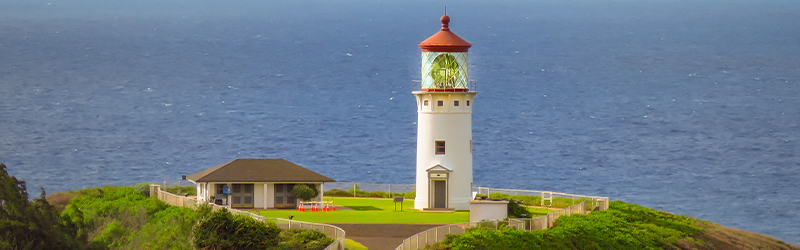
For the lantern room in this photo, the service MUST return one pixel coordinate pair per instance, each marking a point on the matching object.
(445, 62)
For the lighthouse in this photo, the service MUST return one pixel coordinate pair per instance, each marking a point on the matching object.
(444, 120)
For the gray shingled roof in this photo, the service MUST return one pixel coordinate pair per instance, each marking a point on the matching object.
(258, 170)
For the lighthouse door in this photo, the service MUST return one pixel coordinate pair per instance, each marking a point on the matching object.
(440, 194)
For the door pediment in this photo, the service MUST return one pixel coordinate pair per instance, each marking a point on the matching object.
(439, 168)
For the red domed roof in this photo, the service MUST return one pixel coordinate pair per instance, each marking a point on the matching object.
(445, 40)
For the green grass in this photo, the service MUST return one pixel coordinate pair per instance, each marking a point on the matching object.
(536, 212)
(370, 210)
(353, 245)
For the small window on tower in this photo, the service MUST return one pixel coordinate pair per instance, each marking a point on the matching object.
(439, 103)
(439, 147)
(467, 103)
(425, 103)
(455, 103)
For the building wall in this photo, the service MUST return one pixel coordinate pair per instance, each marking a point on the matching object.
(454, 126)
(264, 193)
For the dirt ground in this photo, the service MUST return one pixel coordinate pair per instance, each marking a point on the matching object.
(382, 236)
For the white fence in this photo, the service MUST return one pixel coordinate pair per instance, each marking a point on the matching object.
(355, 187)
(331, 231)
(575, 204)
(549, 198)
(437, 234)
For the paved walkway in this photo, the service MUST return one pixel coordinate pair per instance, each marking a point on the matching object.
(382, 236)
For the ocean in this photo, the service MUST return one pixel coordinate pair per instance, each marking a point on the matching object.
(685, 106)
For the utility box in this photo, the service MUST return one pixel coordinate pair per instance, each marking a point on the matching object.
(480, 210)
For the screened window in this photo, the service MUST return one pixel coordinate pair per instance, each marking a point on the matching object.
(455, 103)
(439, 103)
(425, 103)
(439, 147)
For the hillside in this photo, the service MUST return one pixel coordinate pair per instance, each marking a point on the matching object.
(622, 226)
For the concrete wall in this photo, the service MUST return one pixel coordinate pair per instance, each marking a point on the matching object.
(487, 210)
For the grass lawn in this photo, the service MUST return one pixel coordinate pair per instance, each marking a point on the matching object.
(370, 210)
(353, 245)
(536, 212)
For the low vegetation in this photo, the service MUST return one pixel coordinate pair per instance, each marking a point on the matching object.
(531, 200)
(370, 194)
(123, 218)
(622, 226)
(127, 218)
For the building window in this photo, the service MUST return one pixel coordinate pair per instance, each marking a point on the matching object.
(467, 103)
(425, 103)
(455, 103)
(439, 147)
(439, 103)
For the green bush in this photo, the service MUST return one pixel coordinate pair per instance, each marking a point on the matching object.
(373, 194)
(296, 239)
(622, 226)
(123, 218)
(557, 202)
(515, 210)
(143, 188)
(222, 230)
(338, 193)
(182, 190)
(304, 192)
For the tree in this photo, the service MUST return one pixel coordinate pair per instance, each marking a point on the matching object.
(304, 192)
(33, 224)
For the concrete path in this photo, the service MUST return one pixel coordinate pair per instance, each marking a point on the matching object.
(382, 236)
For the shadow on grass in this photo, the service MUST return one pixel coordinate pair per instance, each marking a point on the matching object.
(365, 208)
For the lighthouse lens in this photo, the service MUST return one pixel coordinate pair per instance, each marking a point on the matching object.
(444, 71)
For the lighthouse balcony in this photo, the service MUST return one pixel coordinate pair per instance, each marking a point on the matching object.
(472, 86)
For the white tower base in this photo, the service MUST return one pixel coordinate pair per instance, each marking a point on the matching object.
(444, 150)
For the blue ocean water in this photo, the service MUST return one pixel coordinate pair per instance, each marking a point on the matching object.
(685, 106)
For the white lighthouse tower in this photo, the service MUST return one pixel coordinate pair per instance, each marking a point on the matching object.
(444, 135)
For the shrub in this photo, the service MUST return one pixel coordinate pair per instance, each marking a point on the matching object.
(515, 210)
(338, 193)
(297, 239)
(361, 193)
(182, 190)
(622, 226)
(222, 230)
(143, 188)
(304, 192)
